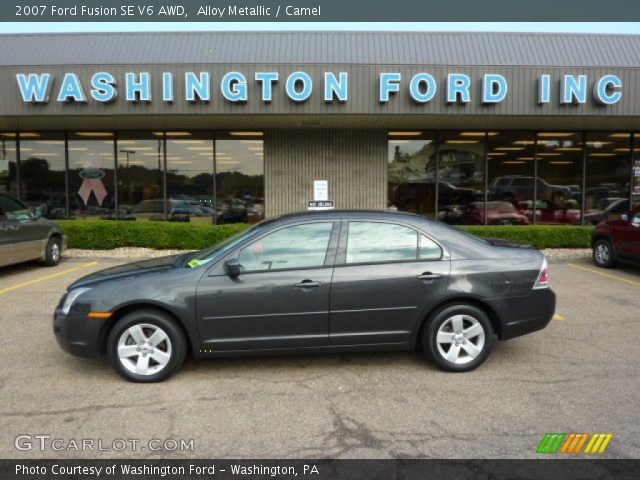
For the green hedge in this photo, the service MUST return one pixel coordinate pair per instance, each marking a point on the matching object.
(105, 234)
(540, 236)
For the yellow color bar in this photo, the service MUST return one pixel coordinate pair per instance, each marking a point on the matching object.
(606, 441)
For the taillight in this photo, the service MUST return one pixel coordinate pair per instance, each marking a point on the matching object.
(543, 276)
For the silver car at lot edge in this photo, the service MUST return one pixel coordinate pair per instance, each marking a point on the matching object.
(25, 235)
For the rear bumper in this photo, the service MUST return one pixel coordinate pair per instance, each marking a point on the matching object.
(522, 315)
(78, 335)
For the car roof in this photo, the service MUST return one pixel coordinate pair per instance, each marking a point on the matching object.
(347, 214)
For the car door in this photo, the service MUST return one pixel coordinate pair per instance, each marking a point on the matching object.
(281, 297)
(26, 235)
(634, 235)
(7, 239)
(387, 277)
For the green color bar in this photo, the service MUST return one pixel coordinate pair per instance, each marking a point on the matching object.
(551, 442)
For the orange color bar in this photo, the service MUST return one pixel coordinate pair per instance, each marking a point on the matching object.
(567, 442)
(99, 314)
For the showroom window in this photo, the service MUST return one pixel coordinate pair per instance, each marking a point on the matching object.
(140, 178)
(411, 172)
(239, 176)
(511, 179)
(559, 182)
(43, 172)
(299, 246)
(8, 163)
(461, 185)
(635, 174)
(608, 157)
(190, 174)
(91, 174)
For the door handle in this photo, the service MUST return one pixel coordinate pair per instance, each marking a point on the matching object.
(429, 276)
(308, 284)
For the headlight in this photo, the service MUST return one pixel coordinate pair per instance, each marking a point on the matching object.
(72, 296)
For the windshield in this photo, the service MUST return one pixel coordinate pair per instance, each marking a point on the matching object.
(203, 257)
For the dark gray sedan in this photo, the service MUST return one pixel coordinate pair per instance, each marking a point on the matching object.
(312, 282)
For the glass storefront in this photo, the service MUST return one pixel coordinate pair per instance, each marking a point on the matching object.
(140, 177)
(461, 177)
(511, 170)
(8, 163)
(91, 174)
(412, 172)
(240, 176)
(204, 177)
(559, 182)
(530, 177)
(43, 173)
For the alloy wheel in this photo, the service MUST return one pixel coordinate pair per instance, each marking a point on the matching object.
(602, 254)
(55, 251)
(460, 339)
(144, 349)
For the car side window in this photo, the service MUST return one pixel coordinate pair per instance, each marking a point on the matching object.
(298, 246)
(13, 209)
(373, 242)
(429, 250)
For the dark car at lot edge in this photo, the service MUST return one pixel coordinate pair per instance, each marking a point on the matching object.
(617, 240)
(312, 282)
(25, 235)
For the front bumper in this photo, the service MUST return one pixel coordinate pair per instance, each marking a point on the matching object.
(522, 315)
(79, 335)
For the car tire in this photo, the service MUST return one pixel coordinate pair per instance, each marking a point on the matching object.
(146, 346)
(53, 252)
(604, 256)
(445, 331)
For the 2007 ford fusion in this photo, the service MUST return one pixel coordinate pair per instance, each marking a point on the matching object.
(318, 281)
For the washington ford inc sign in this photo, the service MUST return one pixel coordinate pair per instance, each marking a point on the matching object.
(103, 87)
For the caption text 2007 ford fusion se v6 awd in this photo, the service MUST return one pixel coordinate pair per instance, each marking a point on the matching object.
(317, 281)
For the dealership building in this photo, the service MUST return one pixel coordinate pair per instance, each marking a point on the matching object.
(469, 128)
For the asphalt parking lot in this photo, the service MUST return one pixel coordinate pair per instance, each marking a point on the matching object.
(581, 374)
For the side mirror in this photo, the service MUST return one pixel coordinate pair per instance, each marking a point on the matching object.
(624, 217)
(232, 268)
(37, 212)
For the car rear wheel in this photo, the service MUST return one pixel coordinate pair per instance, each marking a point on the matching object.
(603, 254)
(146, 346)
(458, 338)
(53, 252)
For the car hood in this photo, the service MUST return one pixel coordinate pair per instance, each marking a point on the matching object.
(128, 270)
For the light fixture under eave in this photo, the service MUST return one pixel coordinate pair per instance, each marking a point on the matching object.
(620, 135)
(615, 149)
(204, 149)
(404, 134)
(30, 135)
(9, 135)
(510, 149)
(496, 154)
(569, 149)
(513, 162)
(478, 134)
(560, 162)
(178, 162)
(601, 154)
(461, 141)
(555, 134)
(524, 142)
(526, 158)
(251, 141)
(177, 134)
(94, 134)
(255, 148)
(549, 154)
(246, 134)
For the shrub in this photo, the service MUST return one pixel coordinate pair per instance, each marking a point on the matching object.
(540, 236)
(106, 234)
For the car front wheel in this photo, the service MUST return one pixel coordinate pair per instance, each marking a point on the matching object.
(603, 254)
(53, 252)
(146, 346)
(458, 338)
